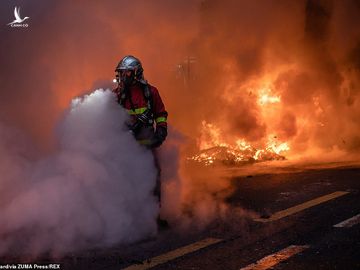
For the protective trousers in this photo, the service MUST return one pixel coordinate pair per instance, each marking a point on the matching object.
(157, 189)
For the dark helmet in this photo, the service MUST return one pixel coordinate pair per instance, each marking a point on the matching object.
(130, 69)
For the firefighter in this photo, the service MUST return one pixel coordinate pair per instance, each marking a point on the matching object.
(142, 101)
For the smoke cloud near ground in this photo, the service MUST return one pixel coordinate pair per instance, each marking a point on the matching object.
(194, 197)
(94, 191)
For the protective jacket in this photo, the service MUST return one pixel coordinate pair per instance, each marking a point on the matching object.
(148, 117)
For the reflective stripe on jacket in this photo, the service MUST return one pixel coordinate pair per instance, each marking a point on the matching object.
(139, 104)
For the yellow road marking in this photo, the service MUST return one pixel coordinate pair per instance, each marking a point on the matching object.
(349, 222)
(301, 207)
(171, 255)
(273, 259)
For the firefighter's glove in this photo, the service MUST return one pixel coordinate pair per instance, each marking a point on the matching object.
(159, 137)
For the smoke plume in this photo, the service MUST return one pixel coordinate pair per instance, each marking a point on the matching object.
(94, 191)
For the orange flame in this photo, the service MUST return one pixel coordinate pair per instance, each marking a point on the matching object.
(214, 148)
(265, 97)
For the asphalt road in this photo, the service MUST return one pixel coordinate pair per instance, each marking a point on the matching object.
(303, 237)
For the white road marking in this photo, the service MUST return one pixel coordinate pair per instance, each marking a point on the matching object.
(171, 255)
(349, 222)
(273, 259)
(301, 207)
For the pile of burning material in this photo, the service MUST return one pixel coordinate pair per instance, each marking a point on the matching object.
(222, 155)
(213, 150)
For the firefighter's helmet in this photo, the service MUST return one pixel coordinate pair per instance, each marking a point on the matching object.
(130, 65)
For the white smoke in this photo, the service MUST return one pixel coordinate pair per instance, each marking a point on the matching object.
(96, 190)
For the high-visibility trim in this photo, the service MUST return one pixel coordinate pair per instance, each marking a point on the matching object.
(144, 142)
(137, 111)
(160, 119)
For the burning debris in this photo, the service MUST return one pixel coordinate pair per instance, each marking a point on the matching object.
(214, 151)
(232, 156)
